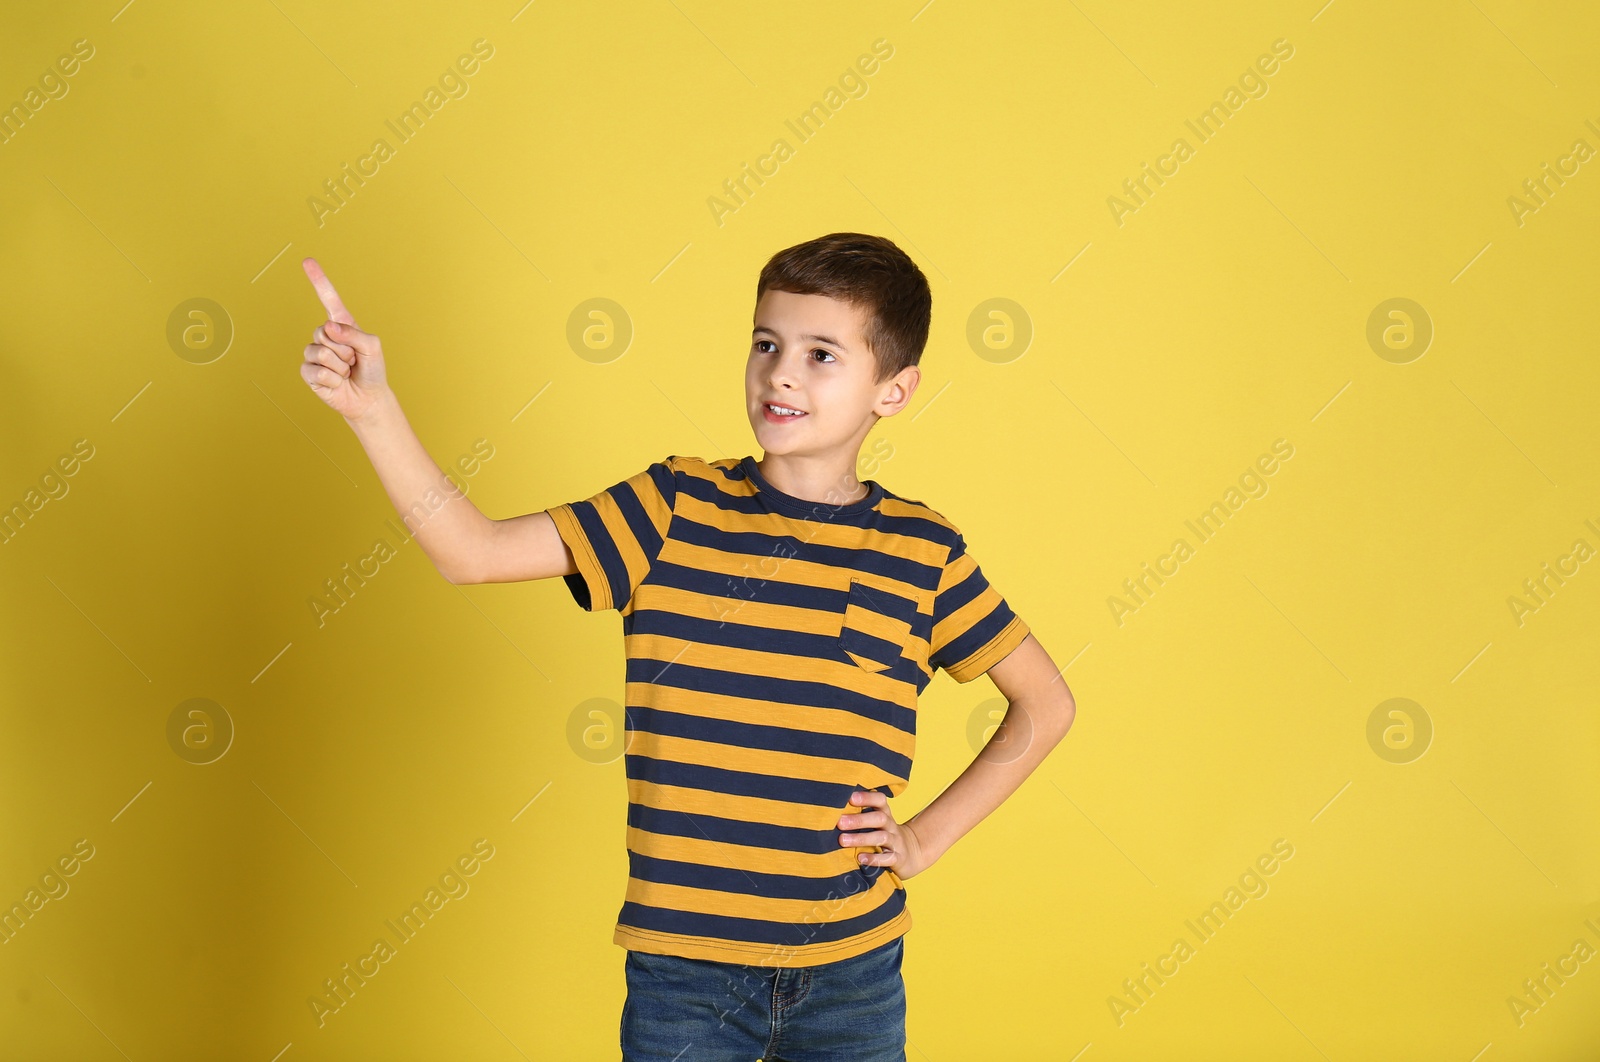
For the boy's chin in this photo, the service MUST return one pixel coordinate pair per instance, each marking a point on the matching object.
(782, 437)
(774, 443)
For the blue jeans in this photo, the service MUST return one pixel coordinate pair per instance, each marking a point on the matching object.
(695, 1010)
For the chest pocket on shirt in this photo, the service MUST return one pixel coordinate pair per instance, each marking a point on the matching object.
(876, 627)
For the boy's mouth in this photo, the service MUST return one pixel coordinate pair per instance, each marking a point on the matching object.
(771, 411)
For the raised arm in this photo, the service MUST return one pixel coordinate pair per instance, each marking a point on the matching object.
(344, 366)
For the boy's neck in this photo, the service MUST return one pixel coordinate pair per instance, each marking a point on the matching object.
(824, 479)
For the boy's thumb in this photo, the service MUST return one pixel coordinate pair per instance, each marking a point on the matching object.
(349, 335)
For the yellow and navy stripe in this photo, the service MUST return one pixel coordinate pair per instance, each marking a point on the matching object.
(775, 650)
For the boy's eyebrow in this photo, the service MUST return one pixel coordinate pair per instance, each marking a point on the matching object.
(821, 339)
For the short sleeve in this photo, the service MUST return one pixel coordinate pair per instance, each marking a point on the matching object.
(617, 535)
(973, 627)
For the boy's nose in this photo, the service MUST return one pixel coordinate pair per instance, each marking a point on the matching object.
(784, 370)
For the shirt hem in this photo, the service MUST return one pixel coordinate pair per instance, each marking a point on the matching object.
(594, 576)
(1013, 635)
(774, 955)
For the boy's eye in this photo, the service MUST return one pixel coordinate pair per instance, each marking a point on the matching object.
(761, 344)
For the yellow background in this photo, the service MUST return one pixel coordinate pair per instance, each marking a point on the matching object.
(1230, 310)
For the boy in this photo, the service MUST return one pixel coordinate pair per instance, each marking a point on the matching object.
(780, 618)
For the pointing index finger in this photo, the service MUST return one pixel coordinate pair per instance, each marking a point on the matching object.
(330, 298)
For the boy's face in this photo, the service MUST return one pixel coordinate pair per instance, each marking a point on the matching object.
(807, 353)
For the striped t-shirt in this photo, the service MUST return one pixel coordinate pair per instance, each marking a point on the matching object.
(775, 650)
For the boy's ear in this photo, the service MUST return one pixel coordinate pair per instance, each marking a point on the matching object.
(903, 387)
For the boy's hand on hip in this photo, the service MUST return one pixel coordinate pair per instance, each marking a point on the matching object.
(901, 852)
(343, 364)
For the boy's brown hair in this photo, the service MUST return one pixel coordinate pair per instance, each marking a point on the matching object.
(868, 272)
